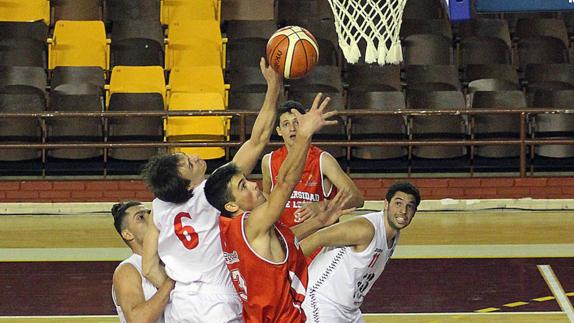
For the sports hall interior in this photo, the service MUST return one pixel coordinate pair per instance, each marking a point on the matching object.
(478, 116)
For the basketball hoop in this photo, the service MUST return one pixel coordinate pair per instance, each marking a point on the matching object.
(378, 22)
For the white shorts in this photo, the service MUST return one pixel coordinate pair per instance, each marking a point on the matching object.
(203, 307)
(324, 311)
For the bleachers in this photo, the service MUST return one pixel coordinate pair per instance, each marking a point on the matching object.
(173, 55)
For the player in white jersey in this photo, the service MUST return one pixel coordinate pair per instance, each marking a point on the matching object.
(342, 274)
(136, 298)
(188, 226)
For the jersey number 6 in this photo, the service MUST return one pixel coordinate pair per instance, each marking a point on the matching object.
(186, 233)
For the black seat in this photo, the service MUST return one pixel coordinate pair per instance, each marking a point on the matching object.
(438, 158)
(137, 43)
(372, 77)
(553, 125)
(427, 49)
(484, 50)
(491, 71)
(117, 10)
(424, 9)
(541, 50)
(76, 10)
(432, 78)
(134, 129)
(496, 126)
(23, 44)
(378, 158)
(20, 99)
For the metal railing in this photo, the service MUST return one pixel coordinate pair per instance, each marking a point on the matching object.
(523, 141)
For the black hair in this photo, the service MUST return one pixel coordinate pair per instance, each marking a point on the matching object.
(161, 173)
(217, 189)
(406, 188)
(119, 213)
(286, 107)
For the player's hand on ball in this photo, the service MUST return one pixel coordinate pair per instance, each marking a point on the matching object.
(273, 78)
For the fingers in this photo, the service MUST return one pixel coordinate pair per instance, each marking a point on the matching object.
(262, 63)
(316, 101)
(324, 104)
(296, 113)
(347, 211)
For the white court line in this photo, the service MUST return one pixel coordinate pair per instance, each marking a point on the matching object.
(557, 290)
(461, 313)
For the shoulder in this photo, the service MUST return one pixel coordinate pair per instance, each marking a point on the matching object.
(126, 273)
(265, 159)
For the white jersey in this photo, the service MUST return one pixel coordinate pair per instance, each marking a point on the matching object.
(339, 278)
(148, 288)
(189, 243)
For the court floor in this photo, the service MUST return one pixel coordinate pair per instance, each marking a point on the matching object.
(480, 266)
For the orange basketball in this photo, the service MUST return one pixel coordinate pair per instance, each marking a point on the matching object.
(292, 51)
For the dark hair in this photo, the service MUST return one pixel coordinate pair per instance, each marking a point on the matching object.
(217, 190)
(119, 214)
(406, 188)
(162, 176)
(286, 108)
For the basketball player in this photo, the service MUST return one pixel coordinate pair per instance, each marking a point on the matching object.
(268, 269)
(342, 274)
(136, 298)
(322, 175)
(188, 226)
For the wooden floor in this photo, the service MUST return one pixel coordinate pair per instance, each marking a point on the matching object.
(432, 235)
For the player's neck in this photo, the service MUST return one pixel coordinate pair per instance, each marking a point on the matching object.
(137, 249)
(390, 232)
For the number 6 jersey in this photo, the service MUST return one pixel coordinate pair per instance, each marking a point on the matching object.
(339, 278)
(189, 243)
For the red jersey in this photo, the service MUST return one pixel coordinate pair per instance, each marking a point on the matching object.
(310, 187)
(269, 291)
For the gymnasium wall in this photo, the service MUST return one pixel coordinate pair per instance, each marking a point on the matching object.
(372, 188)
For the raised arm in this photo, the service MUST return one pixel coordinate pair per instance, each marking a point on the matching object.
(130, 296)
(329, 212)
(247, 156)
(341, 180)
(264, 217)
(357, 232)
(266, 173)
(151, 265)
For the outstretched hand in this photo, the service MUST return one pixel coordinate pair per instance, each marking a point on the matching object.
(331, 212)
(273, 78)
(316, 117)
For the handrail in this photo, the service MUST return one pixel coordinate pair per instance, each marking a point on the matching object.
(523, 140)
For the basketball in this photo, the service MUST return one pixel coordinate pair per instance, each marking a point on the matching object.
(292, 51)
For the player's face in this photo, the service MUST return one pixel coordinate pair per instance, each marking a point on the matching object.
(246, 193)
(191, 167)
(287, 128)
(400, 210)
(136, 222)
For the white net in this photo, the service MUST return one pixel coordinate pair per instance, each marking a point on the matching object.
(377, 22)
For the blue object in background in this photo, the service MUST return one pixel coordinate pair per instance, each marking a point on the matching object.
(523, 5)
(459, 10)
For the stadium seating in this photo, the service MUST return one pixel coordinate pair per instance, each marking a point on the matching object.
(79, 43)
(77, 10)
(28, 10)
(197, 129)
(194, 43)
(180, 10)
(23, 44)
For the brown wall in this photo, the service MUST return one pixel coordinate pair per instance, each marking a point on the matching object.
(373, 189)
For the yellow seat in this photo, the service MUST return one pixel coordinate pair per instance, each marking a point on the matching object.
(79, 43)
(25, 10)
(181, 10)
(137, 79)
(198, 79)
(194, 43)
(197, 129)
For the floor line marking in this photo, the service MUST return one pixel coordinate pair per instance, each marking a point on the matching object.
(557, 290)
(543, 299)
(488, 310)
(515, 304)
(462, 313)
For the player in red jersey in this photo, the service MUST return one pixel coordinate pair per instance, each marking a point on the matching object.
(268, 269)
(322, 175)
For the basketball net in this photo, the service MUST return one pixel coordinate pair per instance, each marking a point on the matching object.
(378, 22)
